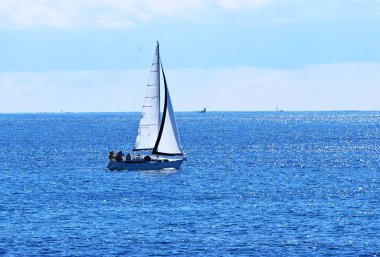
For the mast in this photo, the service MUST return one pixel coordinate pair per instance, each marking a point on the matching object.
(150, 115)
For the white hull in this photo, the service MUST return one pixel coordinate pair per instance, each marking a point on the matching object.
(145, 165)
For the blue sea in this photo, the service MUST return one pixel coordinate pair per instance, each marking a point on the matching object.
(254, 184)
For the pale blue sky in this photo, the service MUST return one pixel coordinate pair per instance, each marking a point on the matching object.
(58, 55)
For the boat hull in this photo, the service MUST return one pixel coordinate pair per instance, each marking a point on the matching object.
(145, 165)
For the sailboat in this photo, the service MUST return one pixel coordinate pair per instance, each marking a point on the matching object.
(157, 135)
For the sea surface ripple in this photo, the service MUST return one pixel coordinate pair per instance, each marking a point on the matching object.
(254, 184)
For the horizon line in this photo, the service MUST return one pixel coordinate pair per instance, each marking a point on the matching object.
(194, 111)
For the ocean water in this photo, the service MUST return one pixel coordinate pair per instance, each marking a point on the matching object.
(254, 184)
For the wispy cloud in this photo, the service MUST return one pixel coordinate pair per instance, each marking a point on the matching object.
(235, 5)
(96, 13)
(71, 91)
(126, 13)
(344, 86)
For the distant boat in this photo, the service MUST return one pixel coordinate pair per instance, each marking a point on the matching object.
(203, 111)
(277, 110)
(157, 135)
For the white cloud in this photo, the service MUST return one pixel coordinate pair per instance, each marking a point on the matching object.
(345, 86)
(95, 13)
(71, 91)
(317, 87)
(126, 13)
(234, 5)
(23, 13)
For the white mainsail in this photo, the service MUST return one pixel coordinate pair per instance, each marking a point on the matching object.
(168, 142)
(150, 116)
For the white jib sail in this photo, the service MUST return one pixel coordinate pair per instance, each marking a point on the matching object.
(169, 142)
(150, 116)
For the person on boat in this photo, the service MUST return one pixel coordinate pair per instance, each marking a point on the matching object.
(147, 158)
(128, 157)
(111, 155)
(119, 156)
